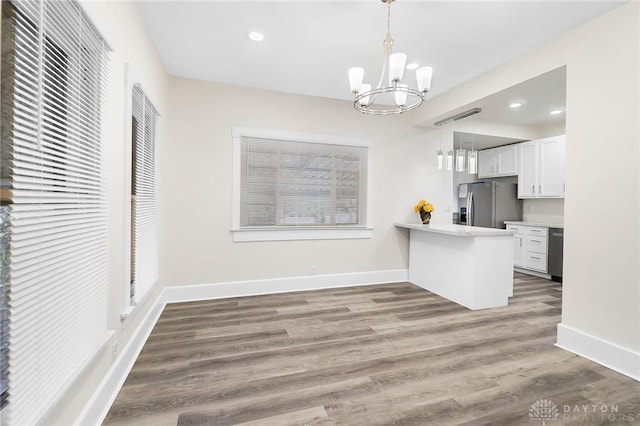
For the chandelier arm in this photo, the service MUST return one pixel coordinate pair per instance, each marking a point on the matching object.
(385, 66)
(417, 96)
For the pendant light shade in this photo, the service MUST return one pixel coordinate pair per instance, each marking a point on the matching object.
(450, 160)
(460, 157)
(440, 158)
(472, 160)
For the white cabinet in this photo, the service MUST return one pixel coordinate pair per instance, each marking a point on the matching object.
(518, 245)
(530, 245)
(508, 160)
(541, 171)
(487, 162)
(501, 161)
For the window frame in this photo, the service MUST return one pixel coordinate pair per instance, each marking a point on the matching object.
(131, 80)
(286, 233)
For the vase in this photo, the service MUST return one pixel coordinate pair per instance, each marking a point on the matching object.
(426, 217)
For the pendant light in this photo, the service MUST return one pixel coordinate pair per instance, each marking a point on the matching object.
(460, 158)
(439, 156)
(472, 160)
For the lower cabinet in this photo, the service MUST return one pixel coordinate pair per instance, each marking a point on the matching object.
(518, 245)
(530, 245)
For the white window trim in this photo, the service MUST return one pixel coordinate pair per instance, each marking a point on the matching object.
(299, 232)
(131, 79)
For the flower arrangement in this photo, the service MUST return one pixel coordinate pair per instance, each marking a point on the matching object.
(425, 209)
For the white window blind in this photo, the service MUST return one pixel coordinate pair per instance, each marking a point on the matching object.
(144, 268)
(287, 183)
(4, 305)
(52, 90)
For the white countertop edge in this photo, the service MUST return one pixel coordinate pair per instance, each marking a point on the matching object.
(457, 230)
(534, 223)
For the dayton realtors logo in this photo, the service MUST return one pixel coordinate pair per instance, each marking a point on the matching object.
(545, 410)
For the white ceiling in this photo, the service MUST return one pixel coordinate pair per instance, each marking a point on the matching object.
(539, 96)
(310, 45)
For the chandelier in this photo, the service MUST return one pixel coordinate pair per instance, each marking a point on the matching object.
(397, 97)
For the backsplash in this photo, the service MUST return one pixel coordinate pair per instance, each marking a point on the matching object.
(550, 210)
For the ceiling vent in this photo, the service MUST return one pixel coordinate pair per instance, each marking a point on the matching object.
(460, 116)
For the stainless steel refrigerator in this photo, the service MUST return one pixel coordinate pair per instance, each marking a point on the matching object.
(489, 204)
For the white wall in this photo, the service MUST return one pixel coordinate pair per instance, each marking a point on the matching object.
(197, 245)
(601, 264)
(121, 25)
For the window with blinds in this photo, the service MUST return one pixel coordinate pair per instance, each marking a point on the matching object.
(144, 196)
(286, 183)
(53, 73)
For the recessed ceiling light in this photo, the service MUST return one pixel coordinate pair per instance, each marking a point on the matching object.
(413, 66)
(256, 36)
(556, 112)
(515, 105)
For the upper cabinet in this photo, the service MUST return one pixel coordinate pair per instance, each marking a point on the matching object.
(541, 168)
(501, 161)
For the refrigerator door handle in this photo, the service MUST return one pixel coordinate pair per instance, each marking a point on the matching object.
(470, 210)
(468, 207)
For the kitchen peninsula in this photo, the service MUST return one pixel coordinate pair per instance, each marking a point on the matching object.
(469, 265)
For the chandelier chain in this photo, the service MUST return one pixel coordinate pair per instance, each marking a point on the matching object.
(388, 46)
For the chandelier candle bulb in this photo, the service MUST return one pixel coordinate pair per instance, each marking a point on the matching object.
(423, 76)
(400, 96)
(356, 75)
(364, 101)
(397, 62)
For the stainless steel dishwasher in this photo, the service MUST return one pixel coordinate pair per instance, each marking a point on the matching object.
(556, 242)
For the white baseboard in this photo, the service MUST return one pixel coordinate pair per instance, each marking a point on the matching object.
(605, 353)
(100, 402)
(280, 285)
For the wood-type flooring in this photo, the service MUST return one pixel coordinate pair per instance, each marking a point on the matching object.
(388, 354)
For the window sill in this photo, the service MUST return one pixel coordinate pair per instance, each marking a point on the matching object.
(300, 233)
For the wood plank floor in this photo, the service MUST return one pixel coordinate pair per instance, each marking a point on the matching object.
(372, 355)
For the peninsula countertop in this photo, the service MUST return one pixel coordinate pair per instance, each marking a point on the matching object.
(457, 230)
(534, 223)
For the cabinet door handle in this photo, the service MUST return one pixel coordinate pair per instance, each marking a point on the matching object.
(539, 189)
(533, 189)
(535, 241)
(536, 258)
(520, 242)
